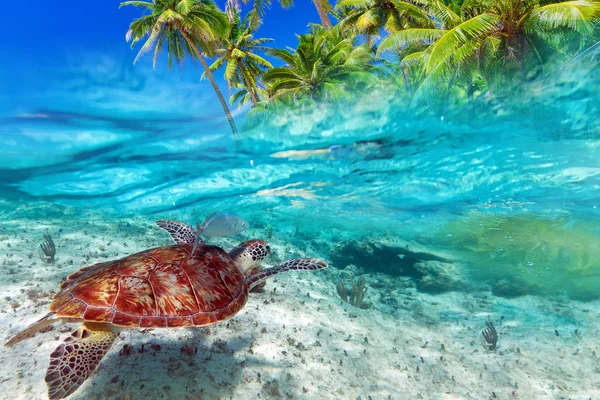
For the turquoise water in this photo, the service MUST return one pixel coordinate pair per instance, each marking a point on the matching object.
(369, 168)
(502, 194)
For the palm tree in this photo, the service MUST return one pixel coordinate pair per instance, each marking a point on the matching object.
(370, 16)
(323, 7)
(238, 53)
(242, 95)
(487, 32)
(183, 27)
(326, 65)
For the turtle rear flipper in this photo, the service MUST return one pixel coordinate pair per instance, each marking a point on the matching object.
(180, 232)
(77, 357)
(297, 264)
(31, 330)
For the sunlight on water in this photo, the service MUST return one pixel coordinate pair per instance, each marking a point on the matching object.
(374, 163)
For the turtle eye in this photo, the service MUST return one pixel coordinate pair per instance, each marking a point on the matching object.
(268, 248)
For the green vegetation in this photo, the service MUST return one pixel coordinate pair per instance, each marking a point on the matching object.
(369, 17)
(184, 27)
(491, 41)
(354, 295)
(528, 254)
(427, 51)
(238, 52)
(323, 7)
(326, 65)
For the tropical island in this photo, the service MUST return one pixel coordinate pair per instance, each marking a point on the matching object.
(432, 52)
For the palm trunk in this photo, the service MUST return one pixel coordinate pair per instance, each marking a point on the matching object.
(322, 14)
(406, 80)
(211, 78)
(447, 94)
(470, 98)
(470, 90)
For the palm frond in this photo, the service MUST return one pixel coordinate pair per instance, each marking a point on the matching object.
(471, 30)
(439, 11)
(358, 4)
(575, 15)
(368, 19)
(148, 5)
(231, 69)
(417, 58)
(176, 46)
(280, 73)
(139, 29)
(259, 60)
(183, 7)
(440, 78)
(284, 55)
(157, 49)
(407, 37)
(150, 41)
(418, 15)
(242, 96)
(258, 42)
(219, 62)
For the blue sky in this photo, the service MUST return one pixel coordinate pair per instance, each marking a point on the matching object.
(84, 23)
(72, 55)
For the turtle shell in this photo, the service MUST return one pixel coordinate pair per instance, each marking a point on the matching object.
(157, 288)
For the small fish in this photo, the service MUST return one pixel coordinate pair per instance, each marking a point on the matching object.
(197, 239)
(222, 224)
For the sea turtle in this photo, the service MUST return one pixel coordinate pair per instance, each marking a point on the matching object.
(182, 233)
(165, 287)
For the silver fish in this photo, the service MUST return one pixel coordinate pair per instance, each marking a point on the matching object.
(223, 224)
(196, 239)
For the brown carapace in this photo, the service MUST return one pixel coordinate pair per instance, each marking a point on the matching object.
(159, 288)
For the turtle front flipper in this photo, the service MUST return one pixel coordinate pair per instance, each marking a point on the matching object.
(180, 232)
(77, 357)
(31, 330)
(297, 264)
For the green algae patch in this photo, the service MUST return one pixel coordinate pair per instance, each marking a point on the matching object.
(431, 271)
(528, 254)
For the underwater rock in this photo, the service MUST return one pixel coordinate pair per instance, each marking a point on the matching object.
(514, 287)
(438, 277)
(432, 273)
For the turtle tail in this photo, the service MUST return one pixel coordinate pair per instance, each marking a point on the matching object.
(31, 330)
(297, 264)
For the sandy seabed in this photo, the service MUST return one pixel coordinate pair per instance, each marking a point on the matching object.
(297, 339)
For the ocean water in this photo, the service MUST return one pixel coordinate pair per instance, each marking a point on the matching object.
(452, 215)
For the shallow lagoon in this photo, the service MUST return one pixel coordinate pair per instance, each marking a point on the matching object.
(452, 217)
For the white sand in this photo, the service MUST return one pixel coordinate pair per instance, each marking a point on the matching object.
(297, 340)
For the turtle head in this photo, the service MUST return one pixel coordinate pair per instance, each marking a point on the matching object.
(249, 254)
